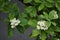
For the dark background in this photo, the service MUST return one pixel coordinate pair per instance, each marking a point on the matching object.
(17, 35)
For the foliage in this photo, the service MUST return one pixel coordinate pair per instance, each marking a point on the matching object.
(47, 10)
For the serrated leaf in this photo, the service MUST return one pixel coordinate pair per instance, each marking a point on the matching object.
(41, 7)
(32, 22)
(35, 33)
(27, 1)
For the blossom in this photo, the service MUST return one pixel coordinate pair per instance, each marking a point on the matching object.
(58, 39)
(42, 25)
(55, 16)
(14, 22)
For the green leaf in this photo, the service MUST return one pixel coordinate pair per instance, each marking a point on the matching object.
(32, 22)
(3, 4)
(41, 16)
(31, 11)
(12, 9)
(22, 15)
(58, 5)
(51, 1)
(47, 4)
(27, 1)
(50, 31)
(23, 21)
(28, 9)
(46, 16)
(43, 36)
(35, 33)
(10, 33)
(48, 23)
(57, 29)
(26, 27)
(38, 1)
(53, 23)
(21, 29)
(51, 14)
(41, 7)
(11, 16)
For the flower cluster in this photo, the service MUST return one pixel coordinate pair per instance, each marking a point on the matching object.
(14, 22)
(42, 25)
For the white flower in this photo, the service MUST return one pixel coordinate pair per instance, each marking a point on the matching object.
(42, 25)
(58, 39)
(14, 22)
(55, 16)
(12, 26)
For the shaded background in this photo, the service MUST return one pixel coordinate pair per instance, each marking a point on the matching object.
(17, 35)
